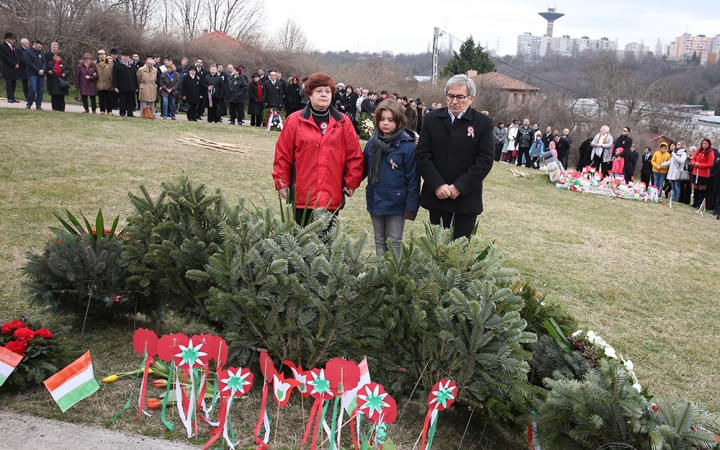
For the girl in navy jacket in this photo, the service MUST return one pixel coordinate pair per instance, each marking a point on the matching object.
(393, 190)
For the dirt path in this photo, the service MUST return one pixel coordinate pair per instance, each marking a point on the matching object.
(20, 432)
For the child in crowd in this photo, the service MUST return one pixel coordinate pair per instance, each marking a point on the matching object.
(618, 163)
(536, 150)
(393, 190)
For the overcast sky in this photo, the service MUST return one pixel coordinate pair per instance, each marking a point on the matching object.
(404, 26)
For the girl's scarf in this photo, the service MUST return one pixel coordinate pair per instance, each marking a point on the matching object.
(259, 91)
(380, 147)
(57, 69)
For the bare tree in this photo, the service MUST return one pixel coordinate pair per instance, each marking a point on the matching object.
(291, 38)
(242, 19)
(187, 17)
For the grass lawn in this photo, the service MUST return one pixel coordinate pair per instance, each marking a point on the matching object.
(640, 275)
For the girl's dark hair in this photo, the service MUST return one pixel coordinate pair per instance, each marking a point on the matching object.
(395, 109)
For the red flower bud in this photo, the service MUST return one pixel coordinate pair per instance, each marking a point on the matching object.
(152, 362)
(160, 383)
(154, 404)
(24, 334)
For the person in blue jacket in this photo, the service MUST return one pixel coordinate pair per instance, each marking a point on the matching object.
(393, 190)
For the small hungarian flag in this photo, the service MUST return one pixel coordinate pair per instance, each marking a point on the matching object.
(8, 361)
(73, 383)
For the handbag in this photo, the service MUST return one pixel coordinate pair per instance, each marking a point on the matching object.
(147, 113)
(78, 97)
(63, 84)
(684, 174)
(184, 106)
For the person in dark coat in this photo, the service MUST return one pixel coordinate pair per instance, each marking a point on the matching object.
(272, 92)
(237, 90)
(390, 167)
(255, 105)
(631, 160)
(22, 70)
(192, 92)
(624, 141)
(86, 82)
(562, 147)
(36, 64)
(293, 102)
(124, 79)
(646, 170)
(215, 92)
(201, 74)
(454, 155)
(584, 154)
(58, 72)
(368, 105)
(9, 65)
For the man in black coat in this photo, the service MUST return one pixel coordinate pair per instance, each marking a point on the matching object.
(22, 70)
(454, 155)
(631, 160)
(523, 142)
(201, 74)
(624, 141)
(9, 64)
(124, 78)
(272, 92)
(646, 170)
(584, 154)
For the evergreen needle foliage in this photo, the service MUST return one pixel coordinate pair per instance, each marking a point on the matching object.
(304, 294)
(471, 57)
(605, 409)
(80, 270)
(169, 235)
(450, 312)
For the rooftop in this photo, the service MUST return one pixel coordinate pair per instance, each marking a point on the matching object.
(502, 82)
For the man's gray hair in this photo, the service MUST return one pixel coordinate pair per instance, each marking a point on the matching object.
(461, 80)
(24, 40)
(54, 43)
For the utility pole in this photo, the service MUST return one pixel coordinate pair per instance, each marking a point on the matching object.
(436, 50)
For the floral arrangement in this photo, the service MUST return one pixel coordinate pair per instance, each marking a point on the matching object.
(274, 119)
(44, 352)
(366, 126)
(594, 348)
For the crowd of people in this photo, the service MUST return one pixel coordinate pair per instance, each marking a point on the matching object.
(122, 82)
(689, 175)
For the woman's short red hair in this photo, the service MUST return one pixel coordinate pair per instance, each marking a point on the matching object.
(317, 80)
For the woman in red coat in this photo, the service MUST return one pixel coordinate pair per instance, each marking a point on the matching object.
(701, 164)
(318, 159)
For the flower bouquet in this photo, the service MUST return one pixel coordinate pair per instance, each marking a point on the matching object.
(366, 125)
(44, 352)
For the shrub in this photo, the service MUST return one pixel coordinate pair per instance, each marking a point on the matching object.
(604, 410)
(450, 312)
(548, 358)
(79, 270)
(304, 294)
(170, 235)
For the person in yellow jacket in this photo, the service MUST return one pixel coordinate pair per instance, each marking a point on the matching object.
(660, 163)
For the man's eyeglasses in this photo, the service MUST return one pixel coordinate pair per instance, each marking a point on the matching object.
(459, 98)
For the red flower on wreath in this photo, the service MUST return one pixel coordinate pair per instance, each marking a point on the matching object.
(7, 328)
(44, 333)
(19, 347)
(24, 334)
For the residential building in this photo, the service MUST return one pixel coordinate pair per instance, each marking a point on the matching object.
(517, 91)
(639, 50)
(687, 45)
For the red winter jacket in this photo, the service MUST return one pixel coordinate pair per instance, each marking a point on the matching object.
(324, 164)
(705, 161)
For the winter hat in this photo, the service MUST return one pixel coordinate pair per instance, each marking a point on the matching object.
(538, 135)
(87, 56)
(619, 150)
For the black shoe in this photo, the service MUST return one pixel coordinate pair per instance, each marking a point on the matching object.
(232, 122)
(39, 108)
(11, 100)
(27, 107)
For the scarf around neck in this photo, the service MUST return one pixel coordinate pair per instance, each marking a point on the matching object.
(381, 147)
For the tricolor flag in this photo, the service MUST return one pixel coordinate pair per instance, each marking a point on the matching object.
(73, 383)
(349, 398)
(8, 361)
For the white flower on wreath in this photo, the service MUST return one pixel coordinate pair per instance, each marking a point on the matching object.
(637, 387)
(629, 365)
(610, 352)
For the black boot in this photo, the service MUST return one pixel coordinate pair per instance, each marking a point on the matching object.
(702, 195)
(695, 199)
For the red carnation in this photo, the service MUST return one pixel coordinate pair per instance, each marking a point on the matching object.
(10, 326)
(24, 334)
(44, 333)
(19, 347)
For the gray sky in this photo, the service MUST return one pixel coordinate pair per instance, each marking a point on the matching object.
(404, 26)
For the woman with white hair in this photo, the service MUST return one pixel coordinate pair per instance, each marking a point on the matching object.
(601, 154)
